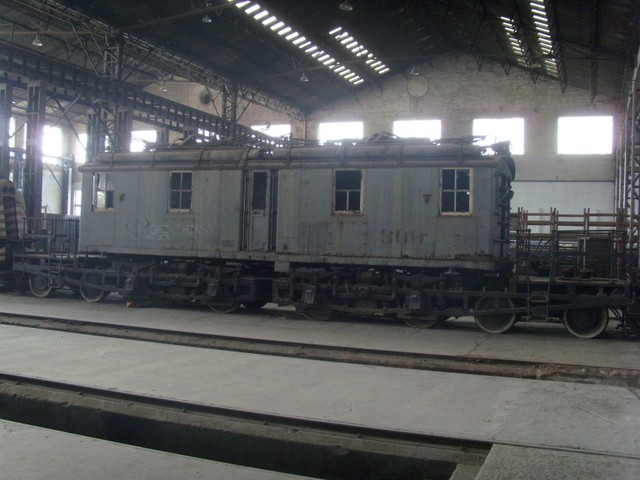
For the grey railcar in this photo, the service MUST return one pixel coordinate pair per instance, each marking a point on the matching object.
(394, 205)
(415, 230)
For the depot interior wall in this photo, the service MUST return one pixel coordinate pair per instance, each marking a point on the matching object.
(458, 92)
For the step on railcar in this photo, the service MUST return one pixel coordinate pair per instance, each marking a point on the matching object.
(415, 230)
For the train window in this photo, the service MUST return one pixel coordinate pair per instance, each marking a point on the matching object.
(455, 191)
(259, 191)
(180, 191)
(103, 192)
(348, 191)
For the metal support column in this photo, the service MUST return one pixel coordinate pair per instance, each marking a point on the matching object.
(36, 93)
(123, 126)
(230, 108)
(6, 99)
(628, 162)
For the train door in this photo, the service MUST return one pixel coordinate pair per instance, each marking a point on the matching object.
(260, 210)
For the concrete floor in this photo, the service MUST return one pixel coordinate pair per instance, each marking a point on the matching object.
(532, 342)
(580, 429)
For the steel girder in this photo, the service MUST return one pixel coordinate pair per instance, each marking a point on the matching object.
(64, 80)
(134, 51)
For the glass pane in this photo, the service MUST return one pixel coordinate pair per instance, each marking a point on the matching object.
(110, 199)
(462, 201)
(462, 179)
(341, 201)
(186, 180)
(259, 192)
(348, 179)
(175, 181)
(448, 179)
(447, 202)
(185, 204)
(174, 201)
(100, 201)
(354, 201)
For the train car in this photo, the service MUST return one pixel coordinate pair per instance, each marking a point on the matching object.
(12, 214)
(417, 230)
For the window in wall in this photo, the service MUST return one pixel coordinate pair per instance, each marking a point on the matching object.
(103, 192)
(81, 148)
(585, 135)
(455, 191)
(180, 191)
(51, 144)
(275, 130)
(431, 129)
(139, 139)
(500, 130)
(334, 132)
(77, 202)
(12, 132)
(348, 191)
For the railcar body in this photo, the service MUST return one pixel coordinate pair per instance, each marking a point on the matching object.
(11, 227)
(372, 206)
(411, 229)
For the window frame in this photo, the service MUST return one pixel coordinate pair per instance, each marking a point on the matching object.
(360, 210)
(455, 190)
(180, 192)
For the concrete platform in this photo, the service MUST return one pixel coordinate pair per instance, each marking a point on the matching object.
(539, 429)
(530, 342)
(559, 416)
(506, 462)
(32, 453)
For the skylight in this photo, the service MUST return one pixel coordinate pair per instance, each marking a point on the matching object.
(298, 40)
(517, 45)
(349, 43)
(543, 31)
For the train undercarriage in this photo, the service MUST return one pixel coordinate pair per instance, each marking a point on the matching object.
(419, 299)
(539, 289)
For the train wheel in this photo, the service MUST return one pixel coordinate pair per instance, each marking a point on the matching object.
(91, 294)
(427, 321)
(224, 307)
(320, 312)
(586, 322)
(39, 286)
(494, 322)
(254, 305)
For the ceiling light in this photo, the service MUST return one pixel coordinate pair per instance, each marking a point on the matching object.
(346, 6)
(36, 41)
(304, 78)
(163, 87)
(206, 18)
(414, 72)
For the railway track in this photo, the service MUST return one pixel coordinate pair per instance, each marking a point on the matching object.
(628, 377)
(265, 441)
